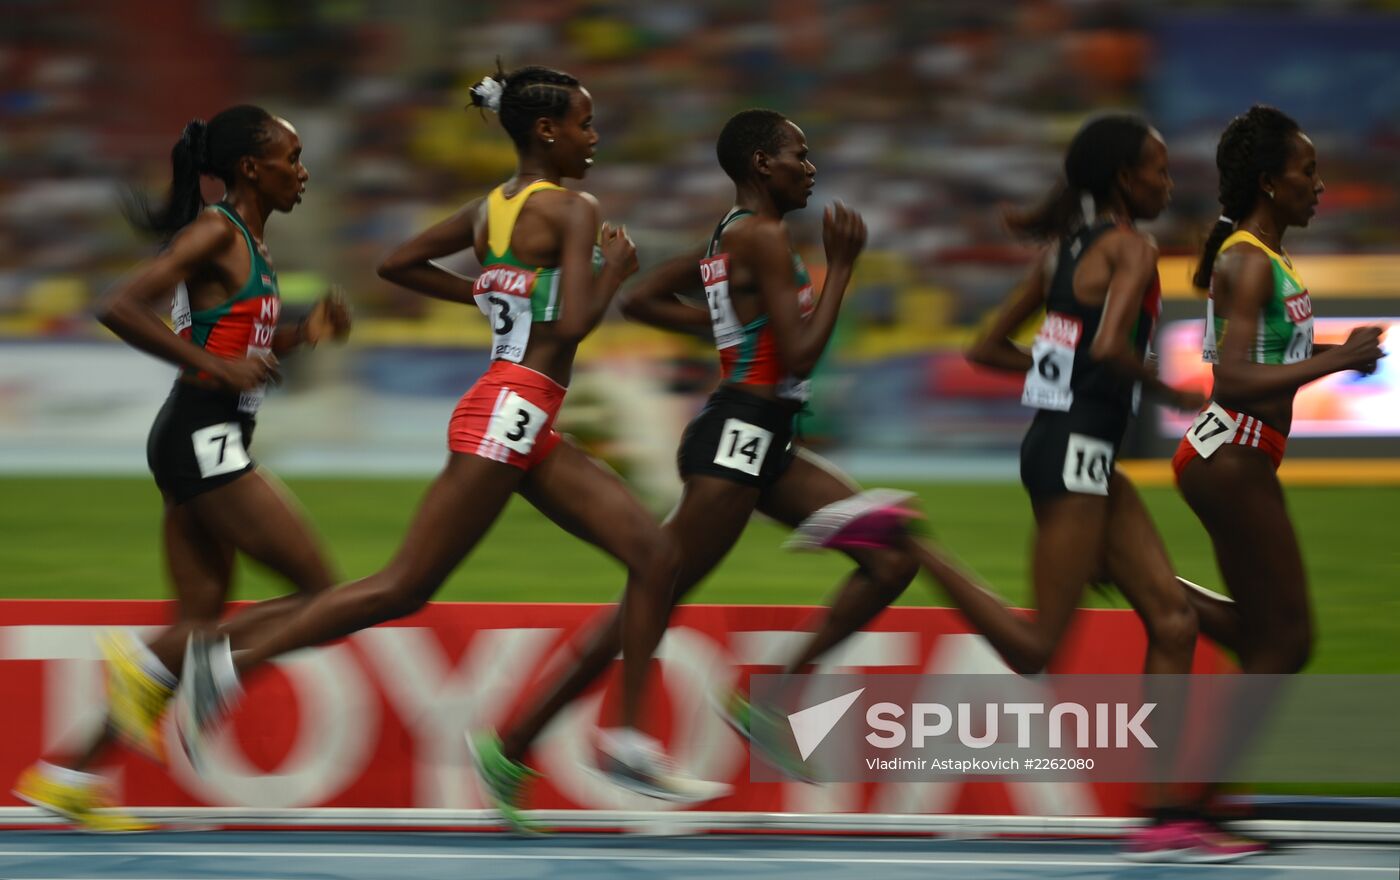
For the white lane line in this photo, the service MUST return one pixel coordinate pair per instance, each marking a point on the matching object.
(854, 859)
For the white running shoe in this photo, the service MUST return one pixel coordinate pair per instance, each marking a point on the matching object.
(635, 761)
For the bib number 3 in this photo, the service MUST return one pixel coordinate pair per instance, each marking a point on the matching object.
(516, 423)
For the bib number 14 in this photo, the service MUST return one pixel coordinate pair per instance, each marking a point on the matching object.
(743, 447)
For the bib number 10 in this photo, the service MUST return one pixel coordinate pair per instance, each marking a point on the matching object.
(1088, 464)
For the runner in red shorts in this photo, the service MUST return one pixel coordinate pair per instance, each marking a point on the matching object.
(1259, 336)
(545, 285)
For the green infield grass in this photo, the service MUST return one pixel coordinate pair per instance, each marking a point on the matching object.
(91, 537)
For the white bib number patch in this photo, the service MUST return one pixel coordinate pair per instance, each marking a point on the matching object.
(218, 449)
(714, 272)
(1212, 429)
(1088, 465)
(515, 423)
(180, 315)
(1052, 364)
(743, 447)
(510, 324)
(250, 401)
(1300, 346)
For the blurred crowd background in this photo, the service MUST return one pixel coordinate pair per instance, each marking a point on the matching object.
(928, 117)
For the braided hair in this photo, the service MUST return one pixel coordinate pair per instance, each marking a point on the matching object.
(1254, 144)
(524, 95)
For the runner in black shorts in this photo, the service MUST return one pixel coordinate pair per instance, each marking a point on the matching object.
(737, 456)
(1097, 282)
(225, 314)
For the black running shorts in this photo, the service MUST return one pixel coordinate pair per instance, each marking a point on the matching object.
(739, 437)
(199, 442)
(1071, 451)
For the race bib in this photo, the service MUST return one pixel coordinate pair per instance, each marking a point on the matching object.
(515, 423)
(1299, 310)
(1052, 363)
(714, 272)
(251, 401)
(180, 316)
(742, 446)
(218, 449)
(1212, 429)
(1088, 464)
(794, 389)
(503, 295)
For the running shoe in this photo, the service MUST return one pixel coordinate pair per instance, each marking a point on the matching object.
(208, 691)
(635, 761)
(1160, 842)
(136, 698)
(765, 732)
(80, 798)
(872, 519)
(1211, 844)
(503, 780)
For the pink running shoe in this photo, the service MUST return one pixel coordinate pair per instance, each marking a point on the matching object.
(1162, 842)
(870, 520)
(1210, 844)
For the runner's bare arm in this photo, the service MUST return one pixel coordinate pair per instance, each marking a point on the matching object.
(995, 348)
(653, 299)
(586, 296)
(413, 263)
(1246, 273)
(130, 310)
(764, 249)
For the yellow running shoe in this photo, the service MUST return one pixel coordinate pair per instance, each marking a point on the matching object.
(84, 803)
(137, 700)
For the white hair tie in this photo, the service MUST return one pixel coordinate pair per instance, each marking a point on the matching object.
(1224, 219)
(489, 90)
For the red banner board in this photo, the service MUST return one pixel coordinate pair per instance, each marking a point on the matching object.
(377, 720)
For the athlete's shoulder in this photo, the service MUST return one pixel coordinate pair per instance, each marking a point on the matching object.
(1247, 268)
(563, 199)
(757, 232)
(205, 235)
(1242, 256)
(1130, 239)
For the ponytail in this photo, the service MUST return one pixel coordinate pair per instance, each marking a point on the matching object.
(1100, 150)
(1218, 233)
(183, 203)
(1254, 144)
(1058, 214)
(213, 148)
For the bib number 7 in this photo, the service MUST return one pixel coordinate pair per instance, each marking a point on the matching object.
(218, 449)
